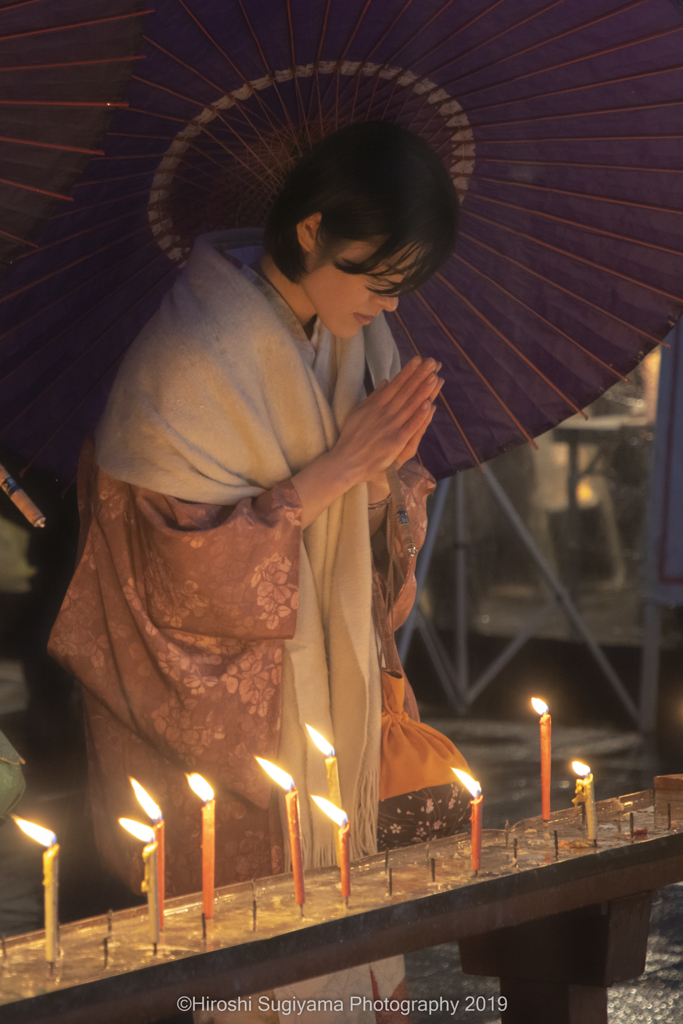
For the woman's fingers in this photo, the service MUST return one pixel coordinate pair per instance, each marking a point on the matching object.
(401, 408)
(407, 380)
(413, 444)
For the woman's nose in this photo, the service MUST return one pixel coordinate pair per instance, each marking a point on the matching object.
(389, 302)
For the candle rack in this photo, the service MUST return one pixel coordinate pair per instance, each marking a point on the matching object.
(259, 940)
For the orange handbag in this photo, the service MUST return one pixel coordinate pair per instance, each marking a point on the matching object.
(414, 756)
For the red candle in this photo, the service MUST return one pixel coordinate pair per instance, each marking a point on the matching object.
(475, 818)
(292, 802)
(541, 708)
(159, 838)
(475, 814)
(292, 805)
(345, 867)
(342, 821)
(205, 792)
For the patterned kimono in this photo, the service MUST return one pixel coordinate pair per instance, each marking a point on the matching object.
(175, 623)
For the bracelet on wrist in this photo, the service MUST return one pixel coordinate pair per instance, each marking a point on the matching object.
(379, 504)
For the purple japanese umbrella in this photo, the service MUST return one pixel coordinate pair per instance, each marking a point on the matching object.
(63, 68)
(560, 123)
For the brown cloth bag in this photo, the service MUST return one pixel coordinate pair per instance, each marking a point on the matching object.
(414, 756)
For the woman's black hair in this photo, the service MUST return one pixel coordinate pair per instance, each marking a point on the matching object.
(370, 180)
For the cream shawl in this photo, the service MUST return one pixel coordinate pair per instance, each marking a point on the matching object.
(213, 403)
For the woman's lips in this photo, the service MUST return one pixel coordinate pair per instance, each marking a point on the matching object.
(363, 320)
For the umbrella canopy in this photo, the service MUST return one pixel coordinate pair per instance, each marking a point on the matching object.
(560, 125)
(63, 70)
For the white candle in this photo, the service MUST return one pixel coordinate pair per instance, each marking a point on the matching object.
(150, 883)
(585, 794)
(51, 883)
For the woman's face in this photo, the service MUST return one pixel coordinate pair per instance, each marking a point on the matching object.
(345, 302)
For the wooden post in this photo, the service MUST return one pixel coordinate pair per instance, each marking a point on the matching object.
(559, 968)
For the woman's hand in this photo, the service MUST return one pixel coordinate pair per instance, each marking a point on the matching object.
(388, 425)
(410, 450)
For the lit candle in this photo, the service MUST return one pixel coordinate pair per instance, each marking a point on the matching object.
(150, 883)
(475, 803)
(51, 883)
(292, 804)
(155, 814)
(585, 794)
(541, 708)
(333, 789)
(342, 822)
(205, 793)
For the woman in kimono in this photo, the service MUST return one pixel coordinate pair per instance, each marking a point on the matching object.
(233, 510)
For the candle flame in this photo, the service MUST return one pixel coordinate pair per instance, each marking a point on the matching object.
(539, 706)
(333, 812)
(201, 787)
(37, 832)
(580, 768)
(282, 778)
(320, 742)
(468, 782)
(137, 829)
(148, 805)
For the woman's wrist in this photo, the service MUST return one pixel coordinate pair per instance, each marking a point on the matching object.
(320, 483)
(378, 489)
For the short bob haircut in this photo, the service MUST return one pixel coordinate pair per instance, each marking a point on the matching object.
(370, 180)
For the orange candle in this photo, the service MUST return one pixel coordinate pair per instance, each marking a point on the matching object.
(339, 816)
(292, 805)
(204, 791)
(155, 814)
(475, 816)
(292, 802)
(541, 708)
